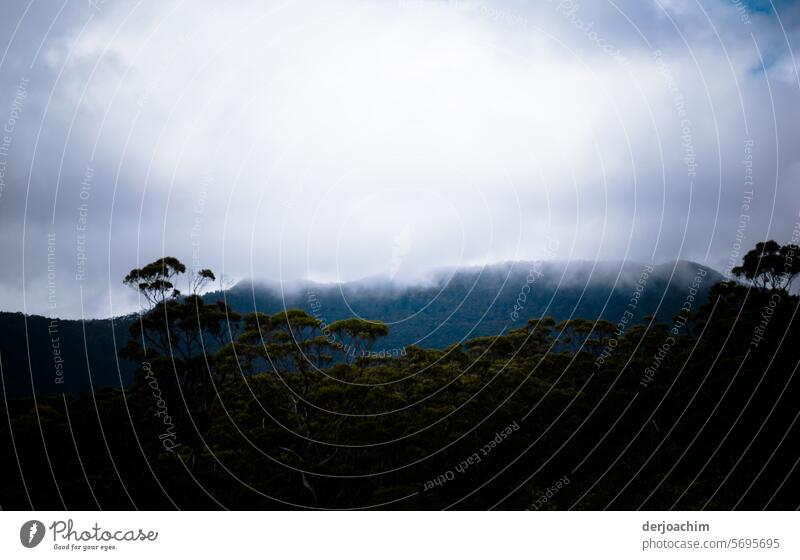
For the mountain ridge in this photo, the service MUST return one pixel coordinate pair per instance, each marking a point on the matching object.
(471, 302)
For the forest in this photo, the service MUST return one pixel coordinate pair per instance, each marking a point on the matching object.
(232, 410)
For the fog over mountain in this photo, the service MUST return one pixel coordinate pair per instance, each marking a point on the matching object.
(450, 308)
(482, 301)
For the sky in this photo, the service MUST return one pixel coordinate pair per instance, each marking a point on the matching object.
(337, 141)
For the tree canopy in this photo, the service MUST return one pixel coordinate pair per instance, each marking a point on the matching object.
(770, 266)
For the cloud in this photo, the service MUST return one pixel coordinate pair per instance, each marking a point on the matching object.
(302, 140)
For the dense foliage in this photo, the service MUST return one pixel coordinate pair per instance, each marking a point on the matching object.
(288, 412)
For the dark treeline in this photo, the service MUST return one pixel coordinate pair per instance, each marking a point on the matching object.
(465, 304)
(698, 412)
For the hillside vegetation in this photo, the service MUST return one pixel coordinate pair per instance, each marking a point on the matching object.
(696, 412)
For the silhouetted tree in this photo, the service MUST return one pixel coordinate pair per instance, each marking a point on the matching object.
(155, 281)
(181, 338)
(770, 266)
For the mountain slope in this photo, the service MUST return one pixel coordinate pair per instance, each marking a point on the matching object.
(484, 301)
(453, 306)
(60, 356)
